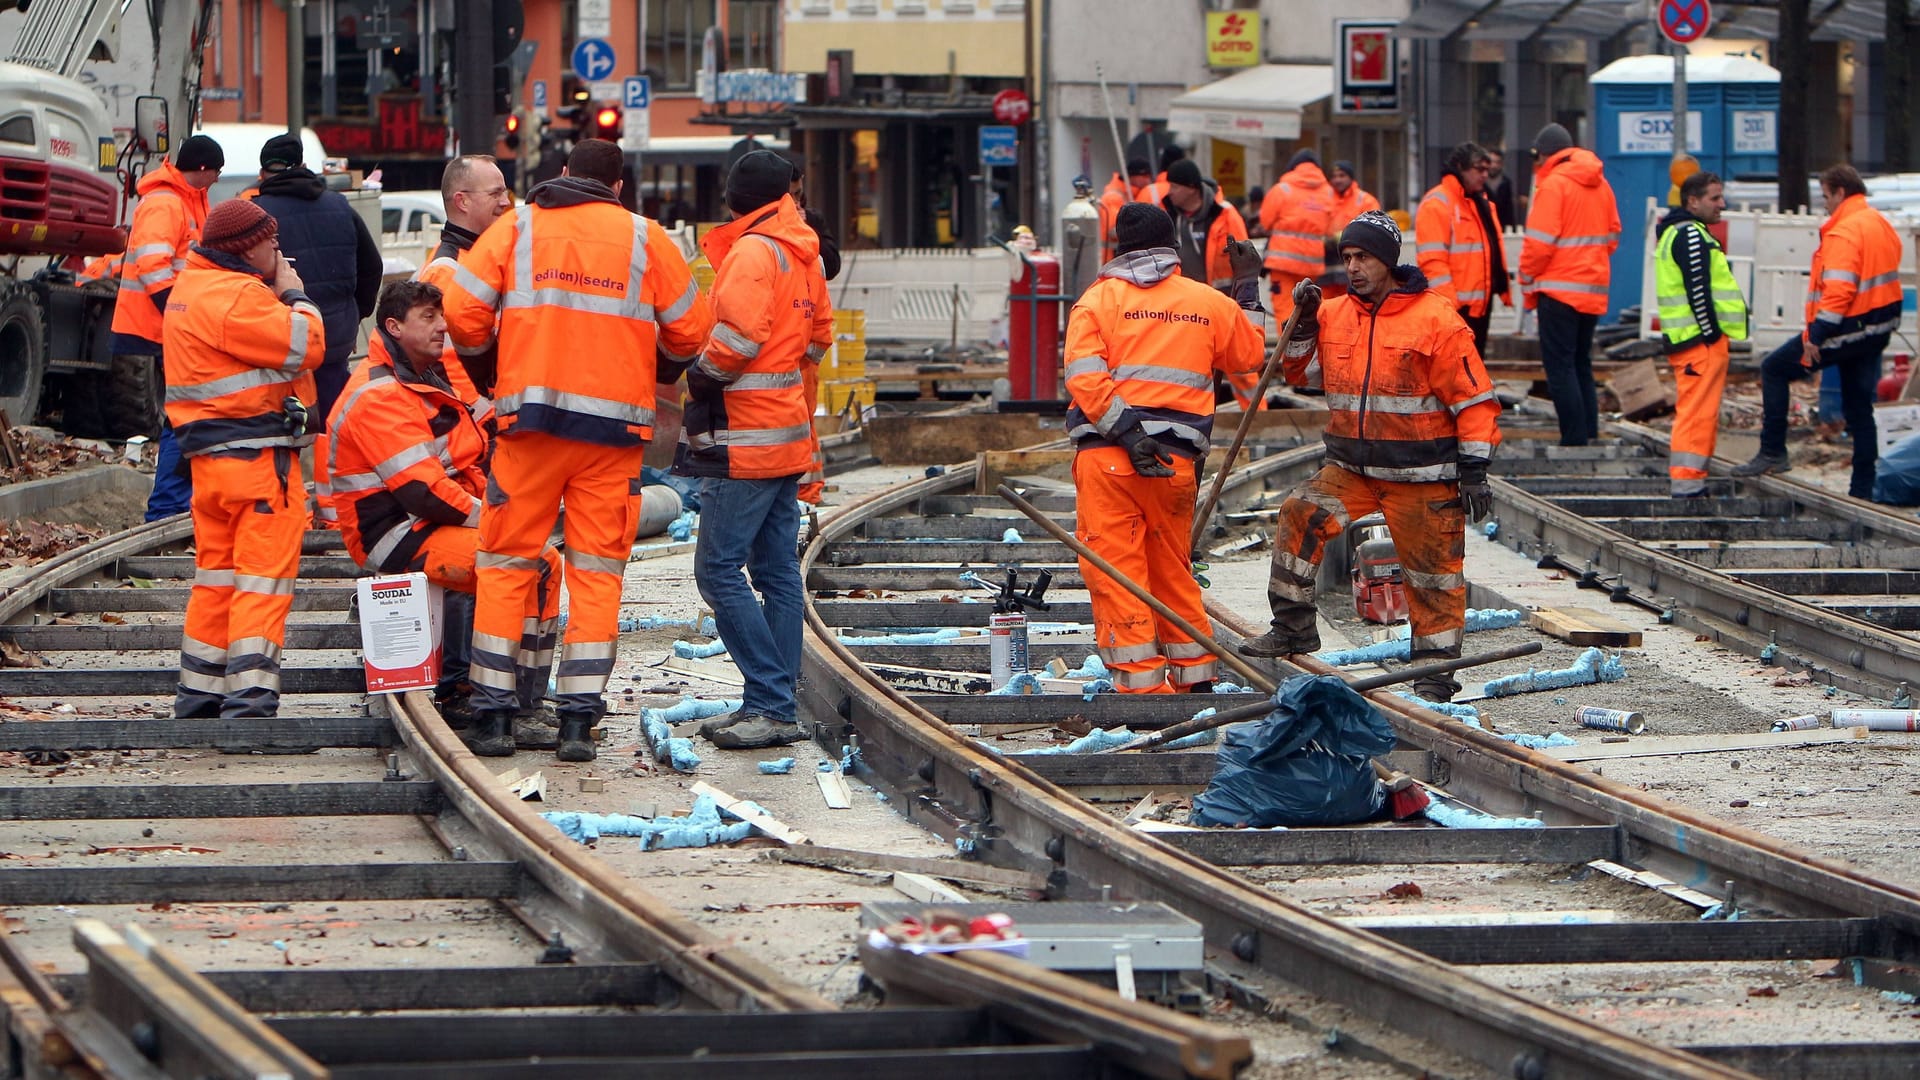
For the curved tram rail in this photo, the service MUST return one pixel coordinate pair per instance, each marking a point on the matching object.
(568, 951)
(1026, 813)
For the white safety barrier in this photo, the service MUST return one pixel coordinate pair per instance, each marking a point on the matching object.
(929, 295)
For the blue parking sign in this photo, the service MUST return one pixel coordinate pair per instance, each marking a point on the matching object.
(636, 92)
(593, 59)
(999, 146)
(540, 95)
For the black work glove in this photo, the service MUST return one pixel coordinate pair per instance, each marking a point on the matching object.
(1476, 495)
(1245, 259)
(1306, 298)
(295, 412)
(1148, 457)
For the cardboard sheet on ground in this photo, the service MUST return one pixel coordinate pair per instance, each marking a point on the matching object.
(1307, 763)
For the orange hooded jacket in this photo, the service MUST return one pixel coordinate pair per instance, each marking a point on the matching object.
(1453, 248)
(1572, 229)
(165, 225)
(1854, 291)
(1297, 213)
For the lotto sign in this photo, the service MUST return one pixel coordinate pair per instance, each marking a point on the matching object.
(1233, 38)
(400, 632)
(1684, 21)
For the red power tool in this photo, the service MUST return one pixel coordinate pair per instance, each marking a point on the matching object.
(1379, 593)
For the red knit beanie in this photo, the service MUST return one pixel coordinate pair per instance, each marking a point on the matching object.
(237, 225)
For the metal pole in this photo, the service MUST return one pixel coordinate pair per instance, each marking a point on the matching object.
(473, 76)
(1679, 101)
(296, 66)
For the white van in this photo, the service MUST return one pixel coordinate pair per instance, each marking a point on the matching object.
(241, 143)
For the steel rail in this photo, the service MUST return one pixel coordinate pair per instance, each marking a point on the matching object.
(1007, 814)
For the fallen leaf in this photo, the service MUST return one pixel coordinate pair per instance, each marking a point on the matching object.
(1762, 991)
(1406, 890)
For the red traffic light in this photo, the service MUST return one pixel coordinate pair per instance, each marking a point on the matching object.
(513, 124)
(608, 117)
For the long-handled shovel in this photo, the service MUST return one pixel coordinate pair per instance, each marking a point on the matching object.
(1240, 433)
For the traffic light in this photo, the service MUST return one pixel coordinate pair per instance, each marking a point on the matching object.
(513, 132)
(575, 107)
(606, 123)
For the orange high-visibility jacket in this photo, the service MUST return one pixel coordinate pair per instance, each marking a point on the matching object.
(165, 225)
(749, 415)
(234, 354)
(102, 267)
(1453, 247)
(406, 457)
(1408, 395)
(1572, 229)
(1227, 225)
(439, 273)
(1142, 346)
(1351, 205)
(1297, 213)
(1854, 292)
(593, 304)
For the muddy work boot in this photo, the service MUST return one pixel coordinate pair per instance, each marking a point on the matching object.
(1441, 689)
(456, 707)
(756, 732)
(536, 728)
(492, 733)
(1282, 643)
(1764, 463)
(576, 739)
(718, 723)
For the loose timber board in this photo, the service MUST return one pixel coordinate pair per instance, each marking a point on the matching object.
(1584, 626)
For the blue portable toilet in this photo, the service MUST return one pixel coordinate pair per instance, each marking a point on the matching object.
(1733, 117)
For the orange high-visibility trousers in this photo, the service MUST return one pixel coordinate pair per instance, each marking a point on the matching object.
(449, 556)
(1283, 284)
(249, 515)
(1428, 524)
(1700, 371)
(533, 473)
(1144, 528)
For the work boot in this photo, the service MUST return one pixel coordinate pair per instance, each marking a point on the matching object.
(456, 707)
(492, 733)
(717, 723)
(1440, 689)
(1282, 643)
(536, 728)
(756, 732)
(576, 739)
(1764, 463)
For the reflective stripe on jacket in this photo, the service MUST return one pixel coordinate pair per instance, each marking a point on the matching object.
(1297, 213)
(749, 415)
(1142, 346)
(1450, 241)
(234, 352)
(440, 273)
(1854, 292)
(1698, 298)
(1572, 229)
(405, 457)
(1408, 395)
(593, 305)
(165, 225)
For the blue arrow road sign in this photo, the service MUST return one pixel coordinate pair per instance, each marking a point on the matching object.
(593, 59)
(636, 92)
(999, 146)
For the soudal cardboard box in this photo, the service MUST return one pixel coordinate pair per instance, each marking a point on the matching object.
(400, 632)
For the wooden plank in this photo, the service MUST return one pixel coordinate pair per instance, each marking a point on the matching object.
(717, 671)
(1641, 943)
(1394, 845)
(924, 889)
(1584, 626)
(766, 823)
(973, 873)
(331, 989)
(176, 567)
(946, 440)
(928, 578)
(281, 733)
(254, 883)
(341, 798)
(898, 613)
(162, 637)
(174, 598)
(119, 682)
(1665, 745)
(993, 466)
(834, 789)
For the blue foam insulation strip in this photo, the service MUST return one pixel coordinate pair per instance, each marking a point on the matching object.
(1401, 646)
(703, 826)
(1593, 666)
(777, 767)
(1442, 811)
(668, 748)
(688, 650)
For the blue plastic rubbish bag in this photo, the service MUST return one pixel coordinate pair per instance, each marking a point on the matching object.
(1306, 763)
(1896, 480)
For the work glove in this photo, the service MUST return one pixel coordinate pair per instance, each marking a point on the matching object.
(1476, 495)
(1244, 258)
(295, 412)
(1306, 298)
(1148, 457)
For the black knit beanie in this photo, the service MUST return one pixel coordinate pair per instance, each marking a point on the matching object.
(757, 179)
(1374, 233)
(1186, 172)
(1141, 226)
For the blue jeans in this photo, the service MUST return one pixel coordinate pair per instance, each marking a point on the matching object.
(754, 525)
(1859, 366)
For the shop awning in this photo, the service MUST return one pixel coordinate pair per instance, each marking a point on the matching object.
(1552, 20)
(1260, 103)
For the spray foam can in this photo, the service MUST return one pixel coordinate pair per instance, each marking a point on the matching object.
(1610, 719)
(1007, 646)
(1797, 723)
(1878, 719)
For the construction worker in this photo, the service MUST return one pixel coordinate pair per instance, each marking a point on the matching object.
(1297, 214)
(748, 436)
(408, 464)
(1143, 344)
(590, 302)
(475, 194)
(1853, 308)
(241, 341)
(1701, 310)
(1136, 187)
(1414, 423)
(1350, 200)
(1203, 225)
(1572, 228)
(1500, 187)
(166, 223)
(1456, 237)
